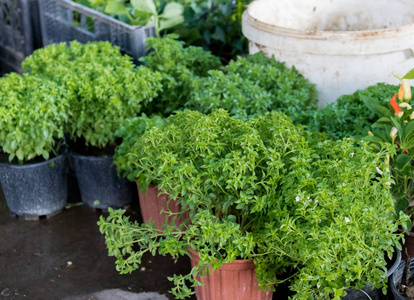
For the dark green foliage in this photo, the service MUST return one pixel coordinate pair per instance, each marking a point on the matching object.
(33, 113)
(349, 116)
(180, 65)
(252, 86)
(258, 189)
(103, 87)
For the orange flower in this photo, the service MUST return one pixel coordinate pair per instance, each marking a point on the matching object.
(395, 104)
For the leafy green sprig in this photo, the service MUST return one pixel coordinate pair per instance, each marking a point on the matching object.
(33, 113)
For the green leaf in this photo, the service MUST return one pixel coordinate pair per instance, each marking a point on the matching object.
(147, 6)
(172, 10)
(116, 8)
(171, 22)
(375, 107)
(409, 129)
(403, 160)
(373, 139)
(409, 75)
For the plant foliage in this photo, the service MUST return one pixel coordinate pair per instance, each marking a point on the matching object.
(103, 87)
(33, 113)
(259, 189)
(180, 65)
(252, 86)
(349, 116)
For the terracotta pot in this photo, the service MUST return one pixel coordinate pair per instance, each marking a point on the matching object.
(235, 280)
(408, 245)
(151, 205)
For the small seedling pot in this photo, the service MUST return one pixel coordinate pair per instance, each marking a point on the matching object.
(99, 184)
(397, 277)
(35, 190)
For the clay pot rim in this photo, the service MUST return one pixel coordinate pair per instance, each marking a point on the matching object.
(238, 264)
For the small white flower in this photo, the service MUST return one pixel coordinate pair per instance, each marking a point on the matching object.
(352, 154)
(297, 199)
(347, 220)
(379, 170)
(308, 198)
(316, 201)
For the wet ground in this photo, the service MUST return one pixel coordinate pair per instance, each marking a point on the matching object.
(65, 257)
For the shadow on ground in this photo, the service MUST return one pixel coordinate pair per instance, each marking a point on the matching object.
(65, 257)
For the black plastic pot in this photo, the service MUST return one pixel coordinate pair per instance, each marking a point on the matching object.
(375, 294)
(99, 184)
(396, 279)
(35, 190)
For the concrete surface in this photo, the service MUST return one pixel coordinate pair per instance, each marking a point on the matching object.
(65, 257)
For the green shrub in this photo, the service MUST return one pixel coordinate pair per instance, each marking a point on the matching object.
(103, 87)
(33, 113)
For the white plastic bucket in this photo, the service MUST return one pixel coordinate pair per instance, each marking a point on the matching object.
(340, 45)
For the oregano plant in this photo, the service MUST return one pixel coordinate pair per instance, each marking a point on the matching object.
(33, 114)
(266, 190)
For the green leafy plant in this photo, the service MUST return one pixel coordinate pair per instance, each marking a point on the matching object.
(103, 88)
(349, 116)
(267, 190)
(394, 126)
(252, 86)
(33, 113)
(180, 65)
(131, 132)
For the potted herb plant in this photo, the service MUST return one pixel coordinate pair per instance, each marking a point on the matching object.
(33, 167)
(104, 89)
(152, 201)
(395, 127)
(266, 192)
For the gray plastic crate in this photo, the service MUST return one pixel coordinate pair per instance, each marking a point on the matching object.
(16, 40)
(64, 21)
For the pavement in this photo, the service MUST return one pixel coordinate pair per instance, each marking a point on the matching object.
(65, 257)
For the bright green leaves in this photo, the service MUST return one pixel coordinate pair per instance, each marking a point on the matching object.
(146, 6)
(103, 87)
(33, 113)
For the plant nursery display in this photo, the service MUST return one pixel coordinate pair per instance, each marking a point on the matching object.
(300, 206)
(104, 89)
(33, 113)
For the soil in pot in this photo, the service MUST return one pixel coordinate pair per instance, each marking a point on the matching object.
(152, 203)
(235, 280)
